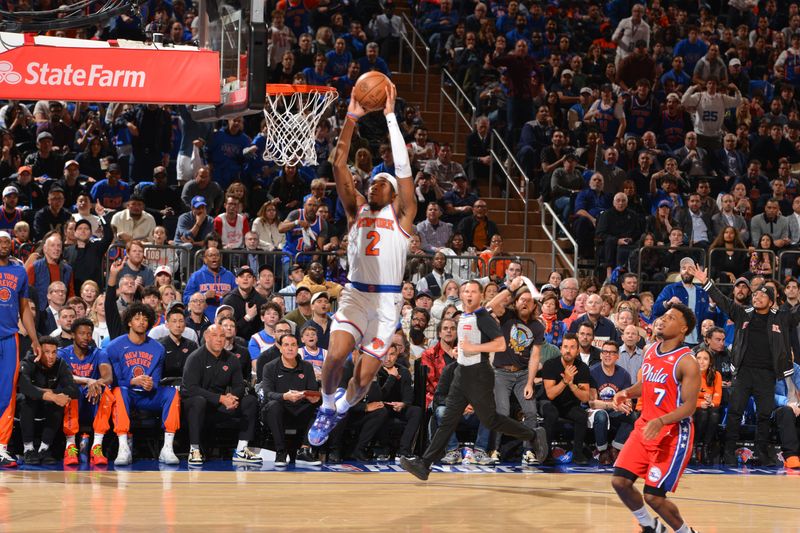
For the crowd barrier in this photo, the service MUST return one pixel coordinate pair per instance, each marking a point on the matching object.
(747, 252)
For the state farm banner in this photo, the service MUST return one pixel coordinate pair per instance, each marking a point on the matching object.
(98, 73)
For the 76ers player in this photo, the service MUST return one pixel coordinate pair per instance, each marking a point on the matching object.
(660, 446)
(378, 242)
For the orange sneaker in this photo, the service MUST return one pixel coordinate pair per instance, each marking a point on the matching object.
(792, 462)
(71, 455)
(97, 457)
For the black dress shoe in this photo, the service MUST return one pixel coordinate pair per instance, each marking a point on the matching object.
(334, 457)
(46, 458)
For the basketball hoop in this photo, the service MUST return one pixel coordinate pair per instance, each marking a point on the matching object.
(292, 113)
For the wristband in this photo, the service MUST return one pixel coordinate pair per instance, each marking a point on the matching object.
(353, 116)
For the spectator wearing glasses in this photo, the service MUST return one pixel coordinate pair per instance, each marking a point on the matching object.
(608, 379)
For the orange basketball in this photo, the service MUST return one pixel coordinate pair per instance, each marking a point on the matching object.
(370, 90)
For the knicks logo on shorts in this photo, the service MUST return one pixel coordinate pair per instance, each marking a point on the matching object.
(5, 294)
(654, 474)
(377, 344)
(138, 371)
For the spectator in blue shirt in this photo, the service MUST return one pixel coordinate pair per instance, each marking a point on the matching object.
(690, 49)
(317, 75)
(226, 152)
(787, 417)
(682, 80)
(111, 192)
(338, 59)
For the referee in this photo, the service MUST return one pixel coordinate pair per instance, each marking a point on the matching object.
(762, 354)
(473, 382)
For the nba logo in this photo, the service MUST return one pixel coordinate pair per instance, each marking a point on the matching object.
(654, 474)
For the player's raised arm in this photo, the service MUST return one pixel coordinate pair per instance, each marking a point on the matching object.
(406, 201)
(351, 199)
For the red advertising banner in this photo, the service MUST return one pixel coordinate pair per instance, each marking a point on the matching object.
(97, 74)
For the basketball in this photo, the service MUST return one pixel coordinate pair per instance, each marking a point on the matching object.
(370, 90)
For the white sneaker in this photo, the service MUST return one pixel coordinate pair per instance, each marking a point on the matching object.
(451, 458)
(196, 458)
(529, 459)
(124, 456)
(483, 458)
(246, 456)
(168, 457)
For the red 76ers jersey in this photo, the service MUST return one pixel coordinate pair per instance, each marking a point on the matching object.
(661, 391)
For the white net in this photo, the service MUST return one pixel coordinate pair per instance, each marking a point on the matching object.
(291, 120)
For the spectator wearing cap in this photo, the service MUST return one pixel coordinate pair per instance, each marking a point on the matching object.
(679, 76)
(608, 114)
(289, 290)
(618, 229)
(689, 294)
(443, 167)
(72, 182)
(213, 280)
(10, 214)
(708, 110)
(565, 184)
(203, 186)
(630, 31)
(245, 302)
(302, 310)
(320, 318)
(578, 110)
(641, 112)
(458, 201)
(30, 193)
(53, 217)
(737, 75)
(133, 223)
(194, 226)
(110, 192)
(162, 198)
(762, 354)
(710, 66)
(45, 161)
(636, 66)
(86, 255)
(178, 341)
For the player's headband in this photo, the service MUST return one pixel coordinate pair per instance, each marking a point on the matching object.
(388, 177)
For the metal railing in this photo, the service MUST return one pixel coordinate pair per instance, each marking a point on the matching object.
(530, 271)
(698, 254)
(416, 37)
(785, 268)
(552, 234)
(233, 259)
(521, 192)
(176, 257)
(747, 254)
(460, 94)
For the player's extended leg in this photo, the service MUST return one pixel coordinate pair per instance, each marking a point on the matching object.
(170, 402)
(478, 385)
(9, 371)
(366, 369)
(122, 424)
(657, 499)
(71, 426)
(103, 411)
(341, 345)
(633, 462)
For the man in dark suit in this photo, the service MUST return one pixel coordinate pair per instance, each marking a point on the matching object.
(696, 225)
(478, 161)
(730, 163)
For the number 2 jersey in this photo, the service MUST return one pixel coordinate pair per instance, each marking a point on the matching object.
(661, 391)
(377, 250)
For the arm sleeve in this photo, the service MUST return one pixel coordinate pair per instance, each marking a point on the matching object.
(402, 166)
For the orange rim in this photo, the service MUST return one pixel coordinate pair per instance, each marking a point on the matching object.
(274, 89)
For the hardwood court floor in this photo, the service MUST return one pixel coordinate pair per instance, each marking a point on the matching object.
(381, 502)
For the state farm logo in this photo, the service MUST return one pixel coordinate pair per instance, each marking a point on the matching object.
(8, 75)
(69, 75)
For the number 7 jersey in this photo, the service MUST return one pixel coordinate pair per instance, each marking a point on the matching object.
(661, 391)
(377, 248)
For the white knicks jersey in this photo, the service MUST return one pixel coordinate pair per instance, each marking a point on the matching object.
(377, 249)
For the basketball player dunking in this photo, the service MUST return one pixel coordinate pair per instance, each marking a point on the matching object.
(660, 446)
(369, 307)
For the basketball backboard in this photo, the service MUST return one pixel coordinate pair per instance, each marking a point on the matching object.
(238, 33)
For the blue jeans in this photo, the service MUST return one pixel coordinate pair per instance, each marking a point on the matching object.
(470, 421)
(621, 421)
(561, 205)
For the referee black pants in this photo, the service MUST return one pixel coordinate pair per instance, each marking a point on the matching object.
(472, 385)
(760, 384)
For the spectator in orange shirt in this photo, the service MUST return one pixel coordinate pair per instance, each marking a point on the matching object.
(497, 268)
(706, 418)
